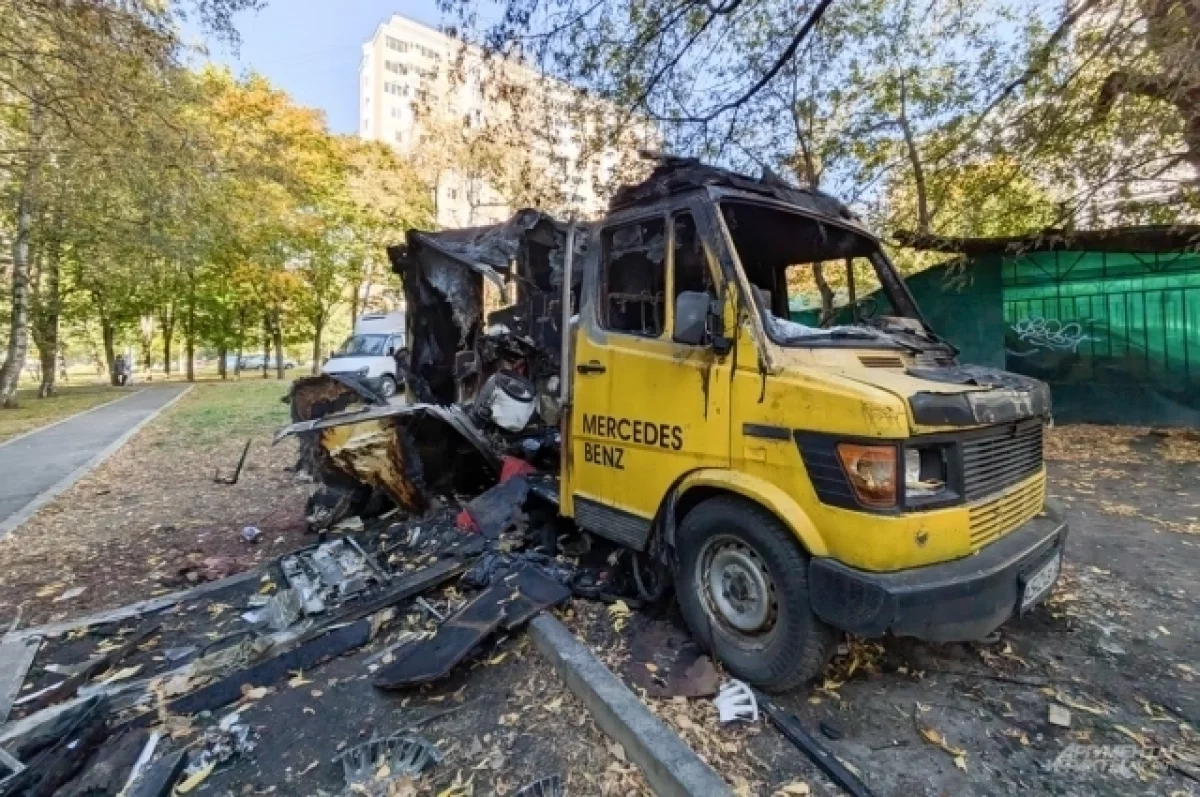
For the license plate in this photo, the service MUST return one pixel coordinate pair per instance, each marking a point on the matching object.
(1039, 582)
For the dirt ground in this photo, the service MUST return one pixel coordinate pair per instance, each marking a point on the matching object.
(136, 526)
(1116, 646)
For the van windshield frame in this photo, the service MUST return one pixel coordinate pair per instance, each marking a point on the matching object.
(364, 345)
(767, 238)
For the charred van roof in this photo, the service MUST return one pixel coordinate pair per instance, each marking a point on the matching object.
(675, 175)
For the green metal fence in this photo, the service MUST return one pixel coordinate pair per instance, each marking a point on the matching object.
(1117, 335)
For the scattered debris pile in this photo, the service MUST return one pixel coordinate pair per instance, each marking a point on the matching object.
(152, 697)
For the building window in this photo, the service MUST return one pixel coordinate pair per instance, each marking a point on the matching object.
(395, 67)
(399, 137)
(399, 89)
(453, 193)
(397, 45)
(634, 279)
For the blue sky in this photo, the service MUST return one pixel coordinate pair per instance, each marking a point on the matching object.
(311, 48)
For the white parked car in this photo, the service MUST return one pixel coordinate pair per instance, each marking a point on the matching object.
(370, 353)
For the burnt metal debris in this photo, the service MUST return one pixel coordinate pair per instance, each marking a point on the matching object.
(403, 756)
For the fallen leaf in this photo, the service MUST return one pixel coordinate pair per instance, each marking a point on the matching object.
(298, 679)
(459, 788)
(1069, 702)
(121, 675)
(253, 692)
(795, 787)
(499, 658)
(196, 778)
(309, 710)
(1137, 737)
(48, 590)
(74, 592)
(554, 705)
(619, 613)
(933, 737)
(309, 768)
(651, 667)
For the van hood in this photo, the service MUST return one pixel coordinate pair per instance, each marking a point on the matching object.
(960, 395)
(376, 364)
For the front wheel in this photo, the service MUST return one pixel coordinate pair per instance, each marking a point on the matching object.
(387, 387)
(743, 589)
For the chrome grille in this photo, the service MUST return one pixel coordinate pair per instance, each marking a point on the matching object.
(992, 519)
(1001, 458)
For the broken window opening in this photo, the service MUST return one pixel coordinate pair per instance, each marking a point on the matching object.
(837, 292)
(690, 271)
(634, 279)
(786, 255)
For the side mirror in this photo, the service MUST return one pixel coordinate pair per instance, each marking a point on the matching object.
(692, 310)
(391, 351)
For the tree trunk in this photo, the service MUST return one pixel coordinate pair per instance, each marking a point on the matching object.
(18, 339)
(266, 342)
(278, 336)
(51, 310)
(318, 334)
(827, 311)
(241, 337)
(924, 220)
(109, 334)
(166, 323)
(222, 353)
(190, 328)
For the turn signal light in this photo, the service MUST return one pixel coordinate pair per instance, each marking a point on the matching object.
(872, 472)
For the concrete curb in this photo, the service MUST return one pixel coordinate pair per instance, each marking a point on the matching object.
(18, 518)
(672, 768)
(52, 424)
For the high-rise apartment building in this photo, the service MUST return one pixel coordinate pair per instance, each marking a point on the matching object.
(421, 88)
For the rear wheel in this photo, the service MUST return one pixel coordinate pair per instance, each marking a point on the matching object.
(387, 386)
(743, 588)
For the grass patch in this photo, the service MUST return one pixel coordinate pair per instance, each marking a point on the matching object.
(216, 413)
(34, 412)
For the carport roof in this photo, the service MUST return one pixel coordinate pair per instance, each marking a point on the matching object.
(1146, 238)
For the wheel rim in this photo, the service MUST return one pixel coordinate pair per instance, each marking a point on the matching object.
(388, 387)
(739, 593)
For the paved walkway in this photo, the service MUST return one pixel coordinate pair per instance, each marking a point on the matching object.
(38, 466)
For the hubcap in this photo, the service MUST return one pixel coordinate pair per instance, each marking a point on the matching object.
(738, 586)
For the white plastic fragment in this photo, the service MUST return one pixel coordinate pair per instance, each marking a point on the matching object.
(735, 702)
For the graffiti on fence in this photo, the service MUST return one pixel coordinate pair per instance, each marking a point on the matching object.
(1049, 334)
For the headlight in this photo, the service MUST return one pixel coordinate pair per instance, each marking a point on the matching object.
(872, 472)
(364, 371)
(924, 472)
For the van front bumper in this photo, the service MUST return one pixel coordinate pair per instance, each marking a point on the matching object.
(957, 601)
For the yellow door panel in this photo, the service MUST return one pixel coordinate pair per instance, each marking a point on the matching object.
(646, 409)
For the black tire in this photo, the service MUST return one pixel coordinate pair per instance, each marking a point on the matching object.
(387, 387)
(793, 646)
